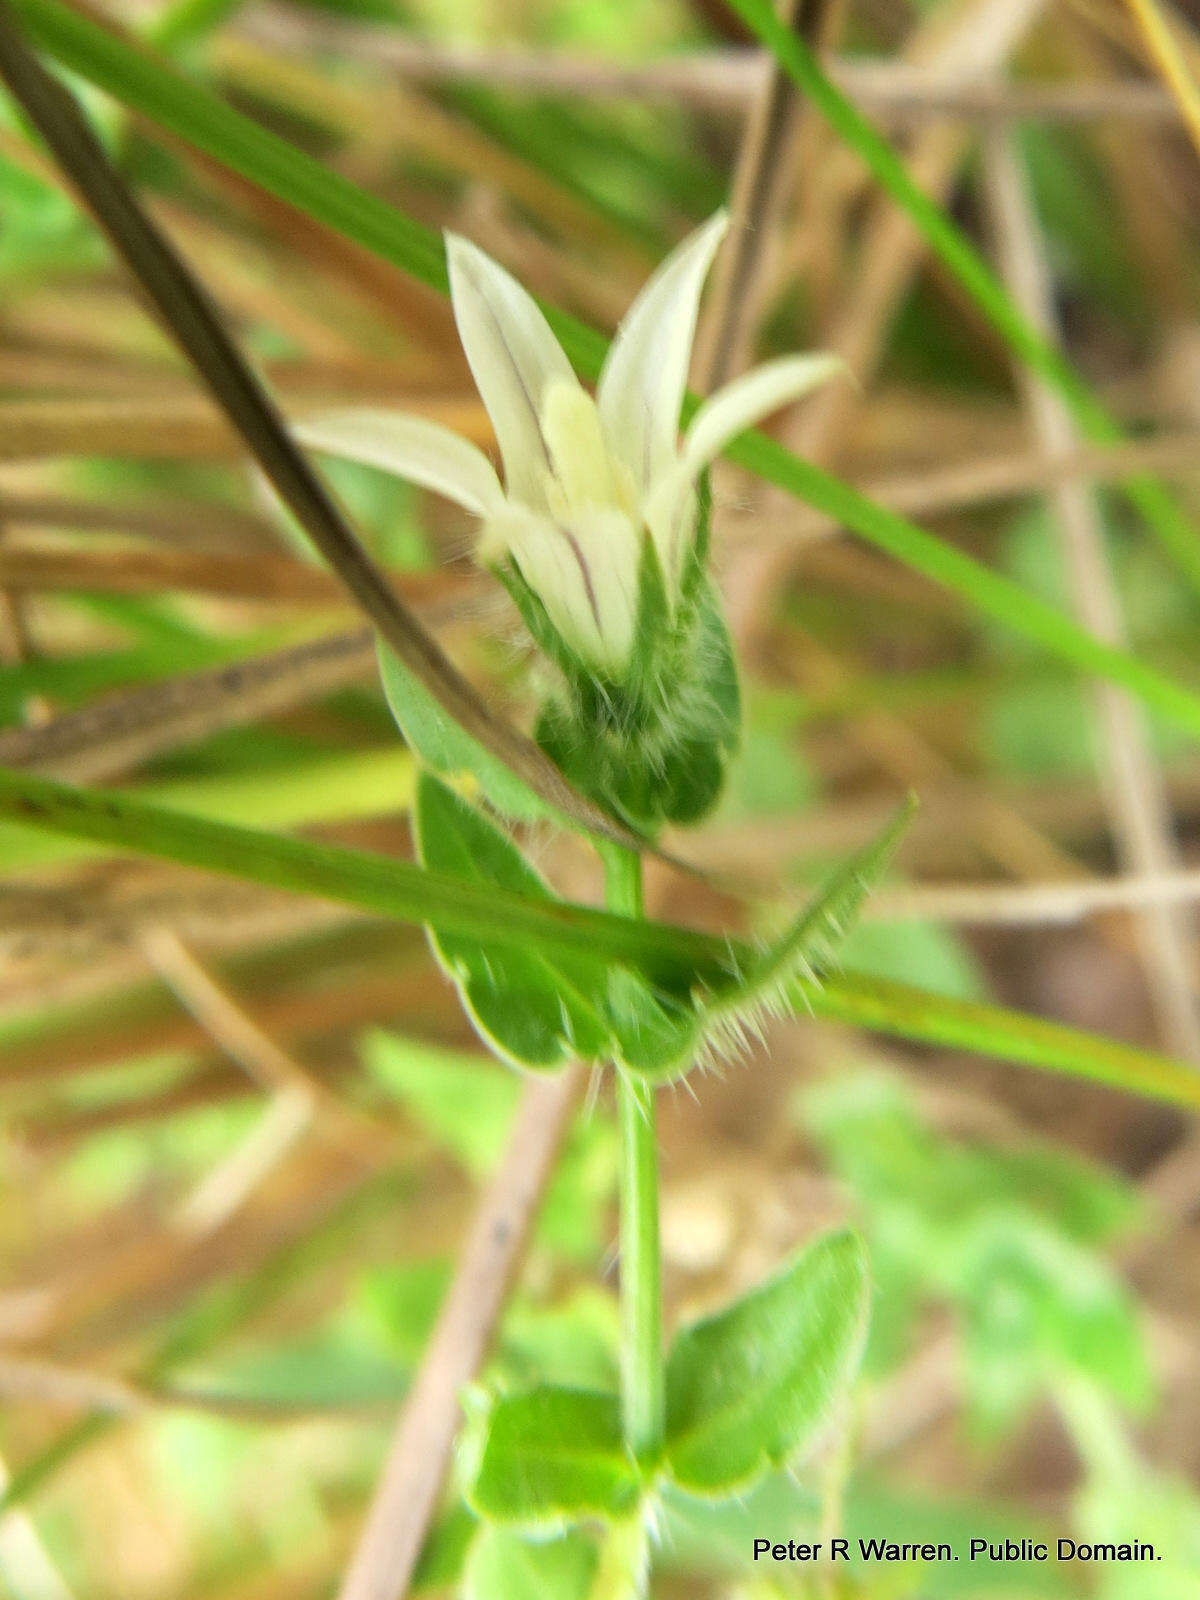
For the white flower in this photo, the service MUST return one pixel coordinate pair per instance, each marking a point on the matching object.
(584, 479)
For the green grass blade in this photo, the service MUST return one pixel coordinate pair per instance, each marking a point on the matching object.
(398, 889)
(376, 883)
(989, 592)
(886, 1007)
(201, 118)
(1162, 513)
(328, 787)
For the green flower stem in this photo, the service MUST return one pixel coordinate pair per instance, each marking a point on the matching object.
(641, 1261)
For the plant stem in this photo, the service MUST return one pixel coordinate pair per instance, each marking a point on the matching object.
(641, 1266)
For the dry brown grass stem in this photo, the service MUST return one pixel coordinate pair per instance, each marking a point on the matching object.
(891, 249)
(298, 1104)
(176, 426)
(722, 81)
(1142, 822)
(408, 1492)
(1034, 904)
(761, 180)
(169, 521)
(931, 491)
(116, 733)
(45, 564)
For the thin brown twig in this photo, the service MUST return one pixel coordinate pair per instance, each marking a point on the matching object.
(888, 254)
(298, 1104)
(721, 81)
(1001, 833)
(102, 914)
(1034, 904)
(932, 491)
(173, 522)
(120, 731)
(38, 563)
(313, 1012)
(1140, 810)
(46, 563)
(221, 1017)
(223, 1191)
(759, 186)
(409, 1490)
(174, 425)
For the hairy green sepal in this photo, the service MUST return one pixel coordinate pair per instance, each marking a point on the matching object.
(651, 744)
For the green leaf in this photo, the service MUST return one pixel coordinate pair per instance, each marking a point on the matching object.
(571, 1344)
(524, 1006)
(327, 788)
(672, 958)
(1006, 1237)
(184, 23)
(503, 1566)
(750, 1387)
(449, 750)
(552, 1457)
(535, 1009)
(806, 948)
(166, 97)
(1035, 1306)
(398, 1305)
(933, 955)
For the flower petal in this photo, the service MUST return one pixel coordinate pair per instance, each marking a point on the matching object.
(736, 407)
(513, 357)
(747, 400)
(584, 571)
(411, 447)
(642, 385)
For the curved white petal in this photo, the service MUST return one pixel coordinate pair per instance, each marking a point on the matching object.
(583, 467)
(584, 571)
(747, 400)
(411, 447)
(513, 357)
(668, 507)
(642, 385)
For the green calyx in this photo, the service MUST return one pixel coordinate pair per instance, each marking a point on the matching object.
(652, 745)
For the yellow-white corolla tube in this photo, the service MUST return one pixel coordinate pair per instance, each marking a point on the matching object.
(585, 480)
